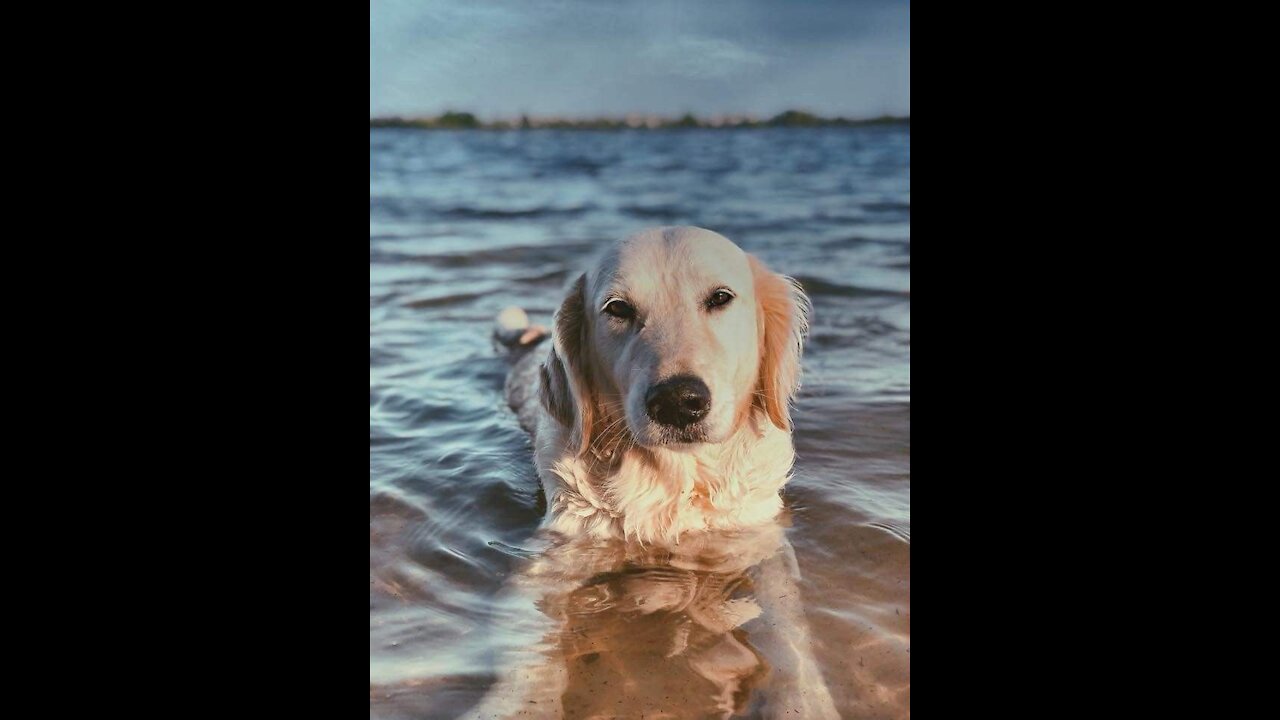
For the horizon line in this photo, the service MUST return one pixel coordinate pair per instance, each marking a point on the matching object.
(455, 119)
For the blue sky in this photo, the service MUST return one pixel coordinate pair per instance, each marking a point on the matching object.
(501, 58)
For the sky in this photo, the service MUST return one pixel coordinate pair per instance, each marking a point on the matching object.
(585, 58)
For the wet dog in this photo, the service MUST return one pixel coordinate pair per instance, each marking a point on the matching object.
(661, 424)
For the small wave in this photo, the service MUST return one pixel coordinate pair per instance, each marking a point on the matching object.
(857, 332)
(587, 166)
(551, 276)
(513, 551)
(387, 499)
(523, 255)
(814, 286)
(903, 534)
(887, 207)
(384, 357)
(465, 212)
(412, 235)
(443, 300)
(856, 240)
(383, 299)
(661, 211)
(401, 208)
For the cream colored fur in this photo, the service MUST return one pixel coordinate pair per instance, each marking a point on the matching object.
(602, 473)
(657, 495)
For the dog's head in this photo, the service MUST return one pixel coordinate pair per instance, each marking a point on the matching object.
(675, 336)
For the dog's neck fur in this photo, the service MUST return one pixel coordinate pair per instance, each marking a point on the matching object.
(656, 494)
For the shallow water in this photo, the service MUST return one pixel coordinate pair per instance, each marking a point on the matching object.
(463, 224)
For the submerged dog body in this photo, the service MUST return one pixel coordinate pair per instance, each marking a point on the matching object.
(662, 405)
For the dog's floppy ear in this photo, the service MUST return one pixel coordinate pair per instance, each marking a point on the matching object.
(567, 388)
(783, 319)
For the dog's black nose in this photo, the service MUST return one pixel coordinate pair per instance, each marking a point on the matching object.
(678, 401)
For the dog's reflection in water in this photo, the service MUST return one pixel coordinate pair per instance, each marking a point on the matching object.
(657, 634)
(709, 629)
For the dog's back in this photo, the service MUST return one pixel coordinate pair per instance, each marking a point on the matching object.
(527, 348)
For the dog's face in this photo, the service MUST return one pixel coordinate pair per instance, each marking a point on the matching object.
(676, 335)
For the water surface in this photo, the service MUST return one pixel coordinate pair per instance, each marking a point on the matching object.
(465, 223)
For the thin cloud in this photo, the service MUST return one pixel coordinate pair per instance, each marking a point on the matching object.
(701, 57)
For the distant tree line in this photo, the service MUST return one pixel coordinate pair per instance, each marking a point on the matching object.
(467, 121)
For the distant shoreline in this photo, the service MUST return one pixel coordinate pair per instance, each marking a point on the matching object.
(790, 118)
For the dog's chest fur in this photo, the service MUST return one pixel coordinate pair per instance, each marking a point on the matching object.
(657, 494)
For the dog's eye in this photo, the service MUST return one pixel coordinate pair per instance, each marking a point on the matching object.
(719, 298)
(619, 309)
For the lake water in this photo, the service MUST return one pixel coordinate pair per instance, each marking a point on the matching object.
(462, 224)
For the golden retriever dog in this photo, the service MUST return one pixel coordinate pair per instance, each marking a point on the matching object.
(663, 585)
